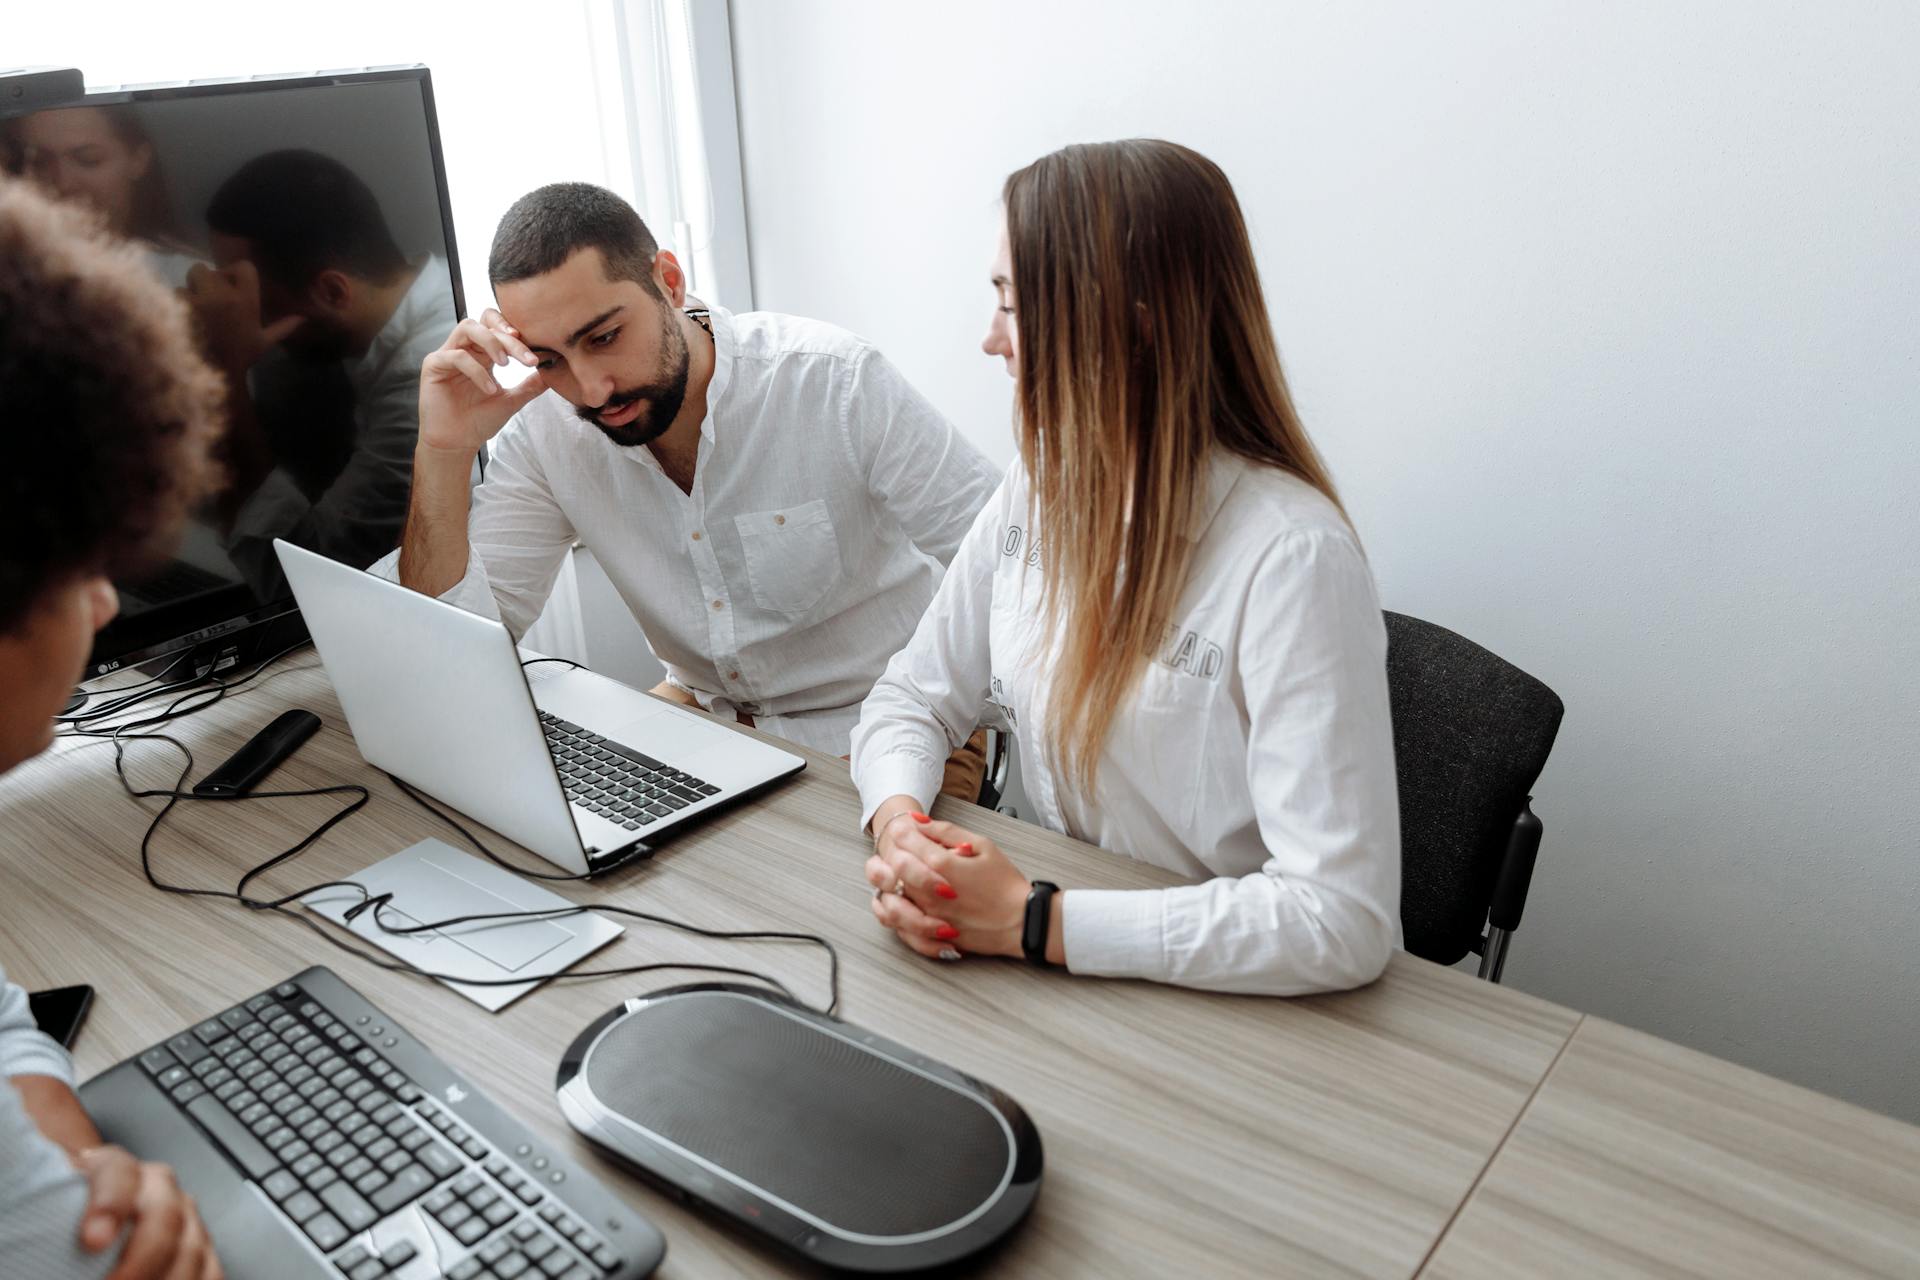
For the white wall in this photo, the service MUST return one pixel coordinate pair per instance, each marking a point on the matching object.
(1606, 318)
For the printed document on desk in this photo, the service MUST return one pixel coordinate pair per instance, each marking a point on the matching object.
(434, 881)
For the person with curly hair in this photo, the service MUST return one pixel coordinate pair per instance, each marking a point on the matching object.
(109, 416)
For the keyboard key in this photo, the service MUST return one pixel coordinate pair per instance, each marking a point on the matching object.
(187, 1047)
(606, 1259)
(499, 1213)
(351, 1207)
(325, 1231)
(286, 991)
(494, 1250)
(368, 1270)
(211, 1030)
(442, 1162)
(398, 1255)
(242, 1146)
(470, 1230)
(466, 1270)
(185, 1093)
(407, 1184)
(280, 1184)
(301, 1206)
(512, 1267)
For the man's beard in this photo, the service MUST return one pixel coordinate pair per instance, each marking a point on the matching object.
(662, 396)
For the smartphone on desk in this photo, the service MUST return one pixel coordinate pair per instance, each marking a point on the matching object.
(60, 1012)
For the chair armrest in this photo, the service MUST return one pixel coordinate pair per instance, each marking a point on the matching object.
(1516, 870)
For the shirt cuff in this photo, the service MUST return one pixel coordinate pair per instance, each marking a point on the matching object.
(34, 1053)
(272, 509)
(1115, 933)
(899, 773)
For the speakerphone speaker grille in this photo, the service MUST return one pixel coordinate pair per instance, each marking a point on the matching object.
(852, 1138)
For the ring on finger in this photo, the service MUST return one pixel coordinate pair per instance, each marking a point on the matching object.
(900, 887)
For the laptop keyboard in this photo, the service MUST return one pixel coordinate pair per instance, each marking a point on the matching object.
(312, 1106)
(615, 781)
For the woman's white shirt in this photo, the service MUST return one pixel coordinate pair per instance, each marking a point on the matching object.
(1255, 756)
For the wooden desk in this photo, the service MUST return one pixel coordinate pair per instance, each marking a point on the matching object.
(1641, 1158)
(1186, 1134)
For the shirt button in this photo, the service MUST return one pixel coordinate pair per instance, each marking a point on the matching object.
(696, 535)
(779, 519)
(718, 606)
(733, 675)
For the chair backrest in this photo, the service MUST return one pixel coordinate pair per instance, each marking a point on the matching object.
(1471, 733)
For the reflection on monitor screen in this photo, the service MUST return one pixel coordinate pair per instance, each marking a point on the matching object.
(305, 223)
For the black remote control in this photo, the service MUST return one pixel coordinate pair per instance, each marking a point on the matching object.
(263, 753)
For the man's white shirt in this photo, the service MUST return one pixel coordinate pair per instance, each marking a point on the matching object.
(827, 497)
(1256, 755)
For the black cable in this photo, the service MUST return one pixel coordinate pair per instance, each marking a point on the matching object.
(474, 840)
(209, 688)
(136, 694)
(578, 666)
(281, 905)
(116, 695)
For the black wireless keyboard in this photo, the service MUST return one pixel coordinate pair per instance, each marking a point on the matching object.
(320, 1139)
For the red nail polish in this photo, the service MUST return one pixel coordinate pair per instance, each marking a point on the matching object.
(945, 891)
(920, 817)
(964, 850)
(946, 933)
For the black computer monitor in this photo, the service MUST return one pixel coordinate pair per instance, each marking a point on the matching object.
(330, 191)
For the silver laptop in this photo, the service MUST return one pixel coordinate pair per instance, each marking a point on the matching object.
(582, 770)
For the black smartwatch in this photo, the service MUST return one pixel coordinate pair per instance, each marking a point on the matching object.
(1033, 937)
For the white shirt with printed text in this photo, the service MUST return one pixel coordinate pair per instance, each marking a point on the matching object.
(1255, 756)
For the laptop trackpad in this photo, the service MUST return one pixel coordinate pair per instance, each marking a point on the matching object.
(431, 881)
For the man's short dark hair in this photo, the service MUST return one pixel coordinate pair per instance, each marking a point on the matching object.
(546, 227)
(306, 213)
(106, 409)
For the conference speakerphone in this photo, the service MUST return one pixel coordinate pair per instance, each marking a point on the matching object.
(829, 1140)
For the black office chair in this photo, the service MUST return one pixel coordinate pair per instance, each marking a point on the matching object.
(993, 783)
(1471, 733)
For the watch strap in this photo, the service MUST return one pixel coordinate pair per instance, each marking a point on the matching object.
(1039, 921)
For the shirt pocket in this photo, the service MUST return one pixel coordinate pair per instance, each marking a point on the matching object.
(1162, 738)
(792, 555)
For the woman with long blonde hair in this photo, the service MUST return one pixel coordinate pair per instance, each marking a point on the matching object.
(1166, 605)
